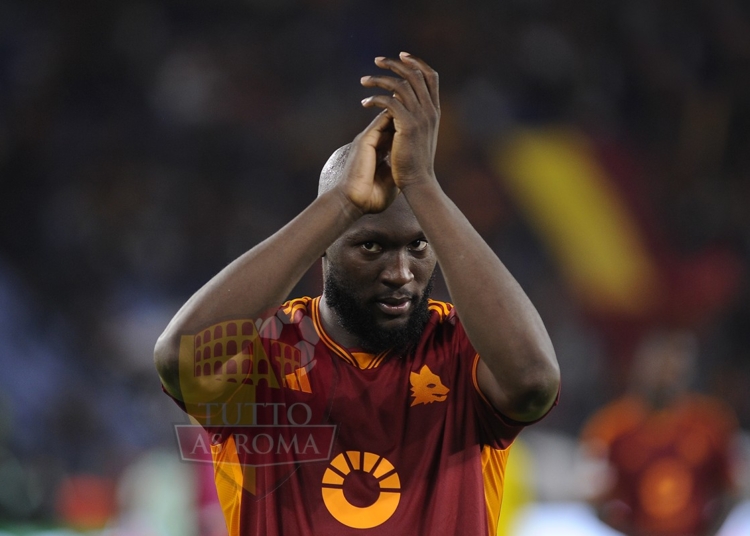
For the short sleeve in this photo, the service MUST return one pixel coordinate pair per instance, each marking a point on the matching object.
(495, 429)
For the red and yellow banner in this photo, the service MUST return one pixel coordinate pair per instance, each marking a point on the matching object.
(554, 176)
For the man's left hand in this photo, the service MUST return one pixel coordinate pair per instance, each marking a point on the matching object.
(414, 106)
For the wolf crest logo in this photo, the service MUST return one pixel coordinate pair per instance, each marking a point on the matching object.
(426, 387)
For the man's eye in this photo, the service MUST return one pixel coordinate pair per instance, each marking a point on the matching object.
(418, 245)
(371, 247)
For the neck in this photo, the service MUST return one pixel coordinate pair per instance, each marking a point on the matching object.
(330, 321)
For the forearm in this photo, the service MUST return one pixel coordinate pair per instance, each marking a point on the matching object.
(263, 277)
(500, 320)
(519, 372)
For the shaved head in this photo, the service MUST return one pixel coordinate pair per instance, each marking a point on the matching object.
(331, 172)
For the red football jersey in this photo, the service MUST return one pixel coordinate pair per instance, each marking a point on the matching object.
(312, 438)
(671, 465)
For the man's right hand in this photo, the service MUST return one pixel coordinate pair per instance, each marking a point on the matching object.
(262, 278)
(366, 180)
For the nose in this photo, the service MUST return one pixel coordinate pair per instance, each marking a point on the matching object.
(397, 271)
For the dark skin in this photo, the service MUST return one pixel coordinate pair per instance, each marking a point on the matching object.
(385, 225)
(388, 259)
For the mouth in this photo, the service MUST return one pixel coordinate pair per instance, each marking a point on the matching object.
(394, 305)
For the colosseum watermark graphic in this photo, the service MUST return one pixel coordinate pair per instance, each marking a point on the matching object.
(246, 385)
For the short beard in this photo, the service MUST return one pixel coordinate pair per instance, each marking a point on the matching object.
(360, 322)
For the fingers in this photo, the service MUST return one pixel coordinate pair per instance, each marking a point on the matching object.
(373, 133)
(392, 106)
(413, 94)
(417, 79)
(431, 77)
(380, 123)
(414, 78)
(399, 87)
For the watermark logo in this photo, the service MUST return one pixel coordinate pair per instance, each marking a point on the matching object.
(249, 388)
(260, 445)
(283, 435)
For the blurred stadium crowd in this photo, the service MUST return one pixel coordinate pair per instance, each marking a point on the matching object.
(144, 145)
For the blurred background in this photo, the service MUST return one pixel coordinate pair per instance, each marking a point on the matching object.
(602, 148)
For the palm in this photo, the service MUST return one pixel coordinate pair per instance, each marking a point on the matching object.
(368, 182)
(374, 191)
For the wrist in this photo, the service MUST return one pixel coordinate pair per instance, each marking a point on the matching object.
(350, 211)
(419, 185)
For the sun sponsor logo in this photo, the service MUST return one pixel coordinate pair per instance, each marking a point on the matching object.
(361, 489)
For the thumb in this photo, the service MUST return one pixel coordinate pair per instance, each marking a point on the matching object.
(372, 134)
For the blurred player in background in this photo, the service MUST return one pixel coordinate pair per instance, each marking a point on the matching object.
(669, 451)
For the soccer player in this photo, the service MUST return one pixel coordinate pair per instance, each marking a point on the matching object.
(669, 451)
(371, 409)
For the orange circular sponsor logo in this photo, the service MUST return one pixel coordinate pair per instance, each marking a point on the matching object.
(666, 488)
(365, 466)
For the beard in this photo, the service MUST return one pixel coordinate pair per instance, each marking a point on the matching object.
(357, 319)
